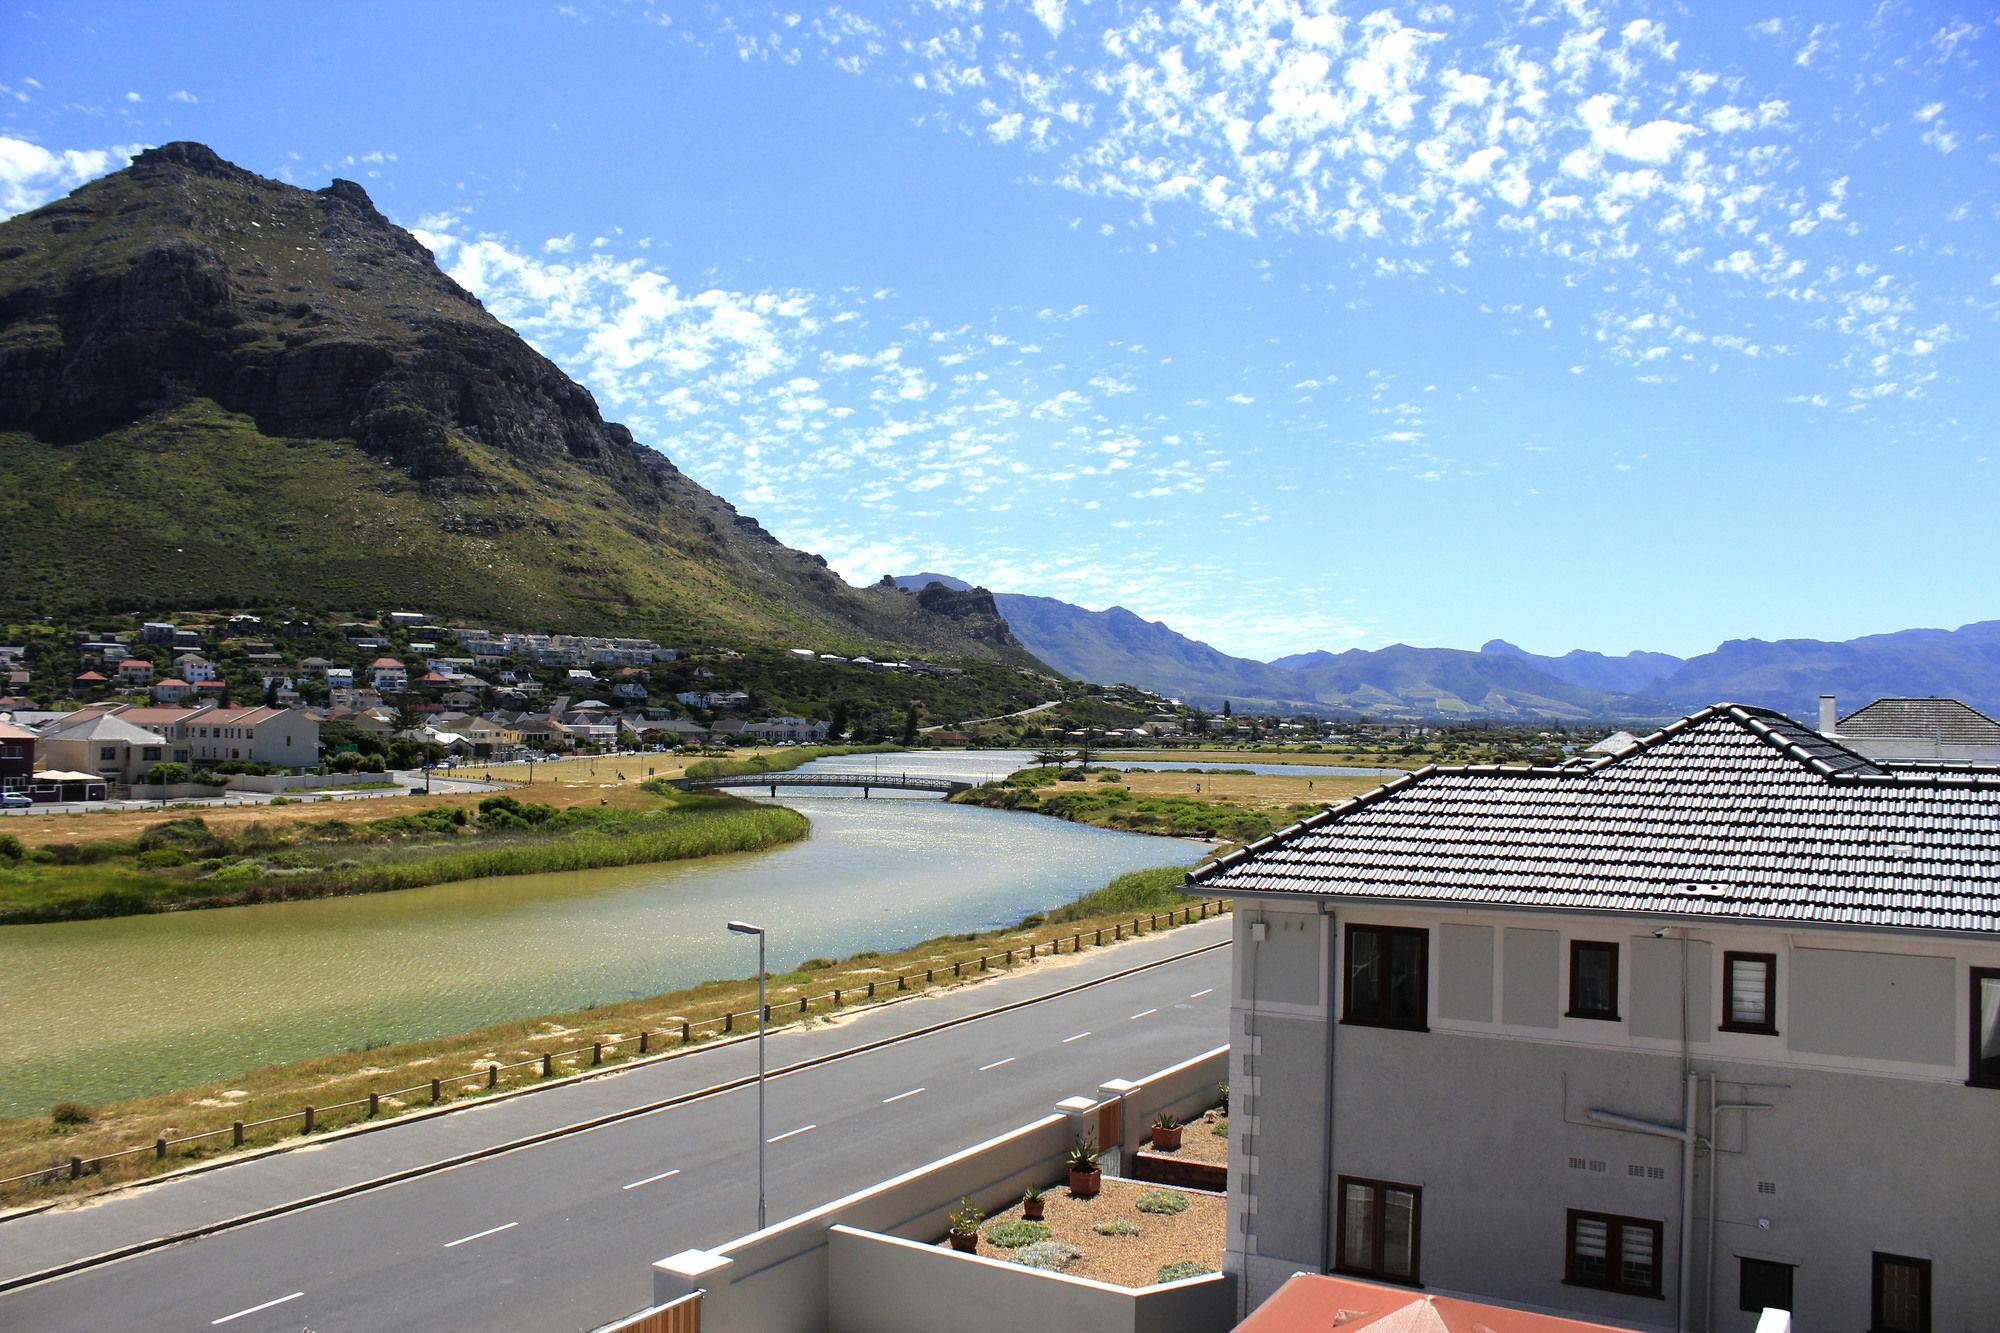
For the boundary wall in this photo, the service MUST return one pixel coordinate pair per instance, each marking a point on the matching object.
(782, 1279)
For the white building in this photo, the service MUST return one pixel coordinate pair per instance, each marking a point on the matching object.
(1662, 1038)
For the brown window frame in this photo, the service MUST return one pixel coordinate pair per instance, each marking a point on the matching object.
(1981, 1071)
(1746, 1264)
(1877, 1263)
(1614, 1238)
(1730, 1023)
(1385, 983)
(1377, 1273)
(1577, 949)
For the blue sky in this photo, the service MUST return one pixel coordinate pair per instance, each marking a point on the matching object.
(1295, 325)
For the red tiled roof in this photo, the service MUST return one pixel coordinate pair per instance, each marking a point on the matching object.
(1310, 1303)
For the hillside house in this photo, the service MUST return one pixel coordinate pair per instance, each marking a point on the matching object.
(387, 675)
(17, 758)
(210, 734)
(102, 745)
(135, 671)
(171, 690)
(193, 667)
(1663, 1037)
(1942, 730)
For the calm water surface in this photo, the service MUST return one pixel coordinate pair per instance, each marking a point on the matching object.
(93, 1010)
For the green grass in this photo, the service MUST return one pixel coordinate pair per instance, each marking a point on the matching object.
(1134, 892)
(1117, 808)
(403, 852)
(776, 761)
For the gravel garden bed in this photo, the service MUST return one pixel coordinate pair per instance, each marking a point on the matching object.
(1188, 1231)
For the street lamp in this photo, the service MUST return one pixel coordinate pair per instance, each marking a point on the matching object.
(745, 928)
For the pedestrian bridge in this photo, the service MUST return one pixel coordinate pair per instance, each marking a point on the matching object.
(865, 781)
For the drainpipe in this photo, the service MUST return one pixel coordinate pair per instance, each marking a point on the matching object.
(1329, 1201)
(1714, 1160)
(1688, 1139)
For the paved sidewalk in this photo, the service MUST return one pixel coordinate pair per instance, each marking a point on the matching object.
(135, 1215)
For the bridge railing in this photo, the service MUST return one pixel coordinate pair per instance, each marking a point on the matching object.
(664, 1041)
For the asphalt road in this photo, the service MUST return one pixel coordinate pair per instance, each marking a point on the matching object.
(561, 1235)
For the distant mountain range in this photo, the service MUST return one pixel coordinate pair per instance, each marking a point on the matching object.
(1501, 680)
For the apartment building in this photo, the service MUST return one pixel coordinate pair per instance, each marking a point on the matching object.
(1663, 1038)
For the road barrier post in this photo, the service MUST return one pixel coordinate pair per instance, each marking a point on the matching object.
(645, 1043)
(309, 1120)
(686, 1035)
(160, 1149)
(437, 1090)
(374, 1104)
(548, 1065)
(239, 1133)
(492, 1076)
(597, 1052)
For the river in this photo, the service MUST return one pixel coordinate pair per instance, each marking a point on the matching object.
(96, 1010)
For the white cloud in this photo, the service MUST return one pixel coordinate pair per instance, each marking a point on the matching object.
(31, 175)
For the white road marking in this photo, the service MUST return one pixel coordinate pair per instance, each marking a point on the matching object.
(490, 1231)
(255, 1308)
(788, 1133)
(1142, 1013)
(899, 1096)
(1078, 1037)
(995, 1065)
(1198, 994)
(650, 1179)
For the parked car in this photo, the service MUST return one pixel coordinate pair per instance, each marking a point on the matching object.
(11, 800)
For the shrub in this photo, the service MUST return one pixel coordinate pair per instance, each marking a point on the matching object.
(817, 965)
(1221, 1129)
(69, 1114)
(240, 873)
(163, 858)
(505, 812)
(1050, 1255)
(11, 848)
(1116, 1226)
(1163, 1201)
(1111, 776)
(1186, 1268)
(1012, 1235)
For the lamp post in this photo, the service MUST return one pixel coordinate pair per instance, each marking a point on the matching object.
(745, 928)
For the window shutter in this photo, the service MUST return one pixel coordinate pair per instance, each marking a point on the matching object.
(1747, 978)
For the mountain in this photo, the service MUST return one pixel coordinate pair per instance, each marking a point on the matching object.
(1500, 680)
(1633, 673)
(218, 390)
(1791, 674)
(1116, 645)
(917, 582)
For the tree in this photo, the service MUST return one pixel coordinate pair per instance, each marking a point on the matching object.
(910, 725)
(836, 725)
(1225, 708)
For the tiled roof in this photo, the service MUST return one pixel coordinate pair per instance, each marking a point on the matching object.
(1921, 719)
(1734, 812)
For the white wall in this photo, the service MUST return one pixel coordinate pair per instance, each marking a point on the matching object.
(884, 1285)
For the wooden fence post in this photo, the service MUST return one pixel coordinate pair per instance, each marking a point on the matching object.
(374, 1104)
(309, 1120)
(597, 1052)
(437, 1090)
(239, 1133)
(160, 1149)
(492, 1075)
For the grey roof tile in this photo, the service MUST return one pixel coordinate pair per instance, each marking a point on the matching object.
(1791, 825)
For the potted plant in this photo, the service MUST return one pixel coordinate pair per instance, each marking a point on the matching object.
(965, 1220)
(1166, 1132)
(1084, 1177)
(1032, 1203)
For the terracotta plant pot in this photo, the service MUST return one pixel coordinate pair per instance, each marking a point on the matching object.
(1084, 1184)
(965, 1242)
(1167, 1140)
(1031, 1209)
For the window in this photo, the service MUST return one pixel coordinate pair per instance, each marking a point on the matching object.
(1388, 977)
(1614, 1253)
(1764, 1285)
(1985, 1070)
(1750, 992)
(1593, 980)
(1902, 1300)
(107, 754)
(1379, 1223)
